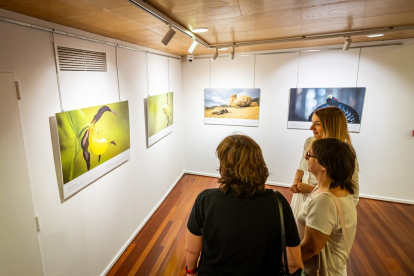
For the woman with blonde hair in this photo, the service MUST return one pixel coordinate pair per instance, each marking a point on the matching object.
(237, 227)
(328, 122)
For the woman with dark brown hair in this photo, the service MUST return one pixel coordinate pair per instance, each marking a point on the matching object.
(328, 122)
(236, 227)
(327, 221)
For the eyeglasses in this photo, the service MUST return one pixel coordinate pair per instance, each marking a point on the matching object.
(308, 155)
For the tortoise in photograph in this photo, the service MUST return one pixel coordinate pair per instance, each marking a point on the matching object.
(219, 110)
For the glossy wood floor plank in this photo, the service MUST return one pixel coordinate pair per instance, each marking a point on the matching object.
(384, 244)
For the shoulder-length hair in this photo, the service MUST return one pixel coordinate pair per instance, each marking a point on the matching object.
(334, 123)
(338, 158)
(242, 166)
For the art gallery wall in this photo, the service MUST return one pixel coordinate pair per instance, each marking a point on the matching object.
(384, 145)
(86, 234)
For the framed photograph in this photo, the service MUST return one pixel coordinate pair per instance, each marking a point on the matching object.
(304, 101)
(160, 117)
(92, 142)
(232, 106)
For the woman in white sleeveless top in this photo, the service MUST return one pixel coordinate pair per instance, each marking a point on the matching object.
(325, 246)
(329, 122)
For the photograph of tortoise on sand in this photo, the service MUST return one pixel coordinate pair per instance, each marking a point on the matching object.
(232, 103)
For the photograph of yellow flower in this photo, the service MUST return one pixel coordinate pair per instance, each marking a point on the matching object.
(160, 117)
(92, 141)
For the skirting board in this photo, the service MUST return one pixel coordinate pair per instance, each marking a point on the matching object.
(125, 246)
(382, 198)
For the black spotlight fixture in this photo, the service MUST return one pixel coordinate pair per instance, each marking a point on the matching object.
(168, 36)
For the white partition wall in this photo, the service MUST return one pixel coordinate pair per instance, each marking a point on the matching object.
(384, 145)
(86, 234)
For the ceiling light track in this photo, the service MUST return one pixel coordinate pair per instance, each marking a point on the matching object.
(167, 20)
(278, 52)
(315, 37)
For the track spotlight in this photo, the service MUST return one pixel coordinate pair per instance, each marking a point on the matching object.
(213, 58)
(192, 47)
(347, 44)
(232, 53)
(168, 36)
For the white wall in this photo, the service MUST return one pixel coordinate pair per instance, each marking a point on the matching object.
(85, 234)
(384, 145)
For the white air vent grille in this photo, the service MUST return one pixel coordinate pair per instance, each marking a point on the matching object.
(71, 59)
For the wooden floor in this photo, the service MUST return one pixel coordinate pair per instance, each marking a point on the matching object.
(384, 243)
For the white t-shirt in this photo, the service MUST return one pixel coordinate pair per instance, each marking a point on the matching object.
(320, 213)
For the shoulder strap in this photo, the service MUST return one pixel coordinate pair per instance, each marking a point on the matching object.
(341, 217)
(282, 231)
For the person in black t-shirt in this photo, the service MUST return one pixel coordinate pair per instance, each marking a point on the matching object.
(236, 227)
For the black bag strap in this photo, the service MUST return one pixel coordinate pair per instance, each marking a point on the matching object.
(282, 231)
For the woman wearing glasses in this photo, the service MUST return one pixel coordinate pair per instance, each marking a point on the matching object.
(329, 122)
(327, 221)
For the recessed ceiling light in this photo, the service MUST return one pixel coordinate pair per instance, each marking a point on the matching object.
(222, 49)
(200, 30)
(375, 35)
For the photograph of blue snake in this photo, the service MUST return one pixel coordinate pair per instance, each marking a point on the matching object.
(304, 102)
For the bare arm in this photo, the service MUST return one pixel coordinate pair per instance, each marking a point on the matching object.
(312, 243)
(193, 247)
(305, 188)
(294, 258)
(355, 178)
(298, 178)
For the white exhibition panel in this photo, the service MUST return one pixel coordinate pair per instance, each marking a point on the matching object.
(332, 68)
(158, 74)
(159, 135)
(384, 145)
(307, 125)
(231, 122)
(86, 234)
(84, 180)
(19, 244)
(202, 140)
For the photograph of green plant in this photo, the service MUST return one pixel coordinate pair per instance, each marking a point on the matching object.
(159, 112)
(91, 136)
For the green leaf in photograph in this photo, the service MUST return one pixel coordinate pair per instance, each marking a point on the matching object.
(76, 120)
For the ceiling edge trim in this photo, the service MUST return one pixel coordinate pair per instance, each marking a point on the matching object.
(37, 27)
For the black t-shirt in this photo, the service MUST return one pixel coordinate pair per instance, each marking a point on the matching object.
(241, 236)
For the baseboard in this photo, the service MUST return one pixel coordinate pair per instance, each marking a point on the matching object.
(390, 199)
(203, 174)
(125, 246)
(382, 198)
